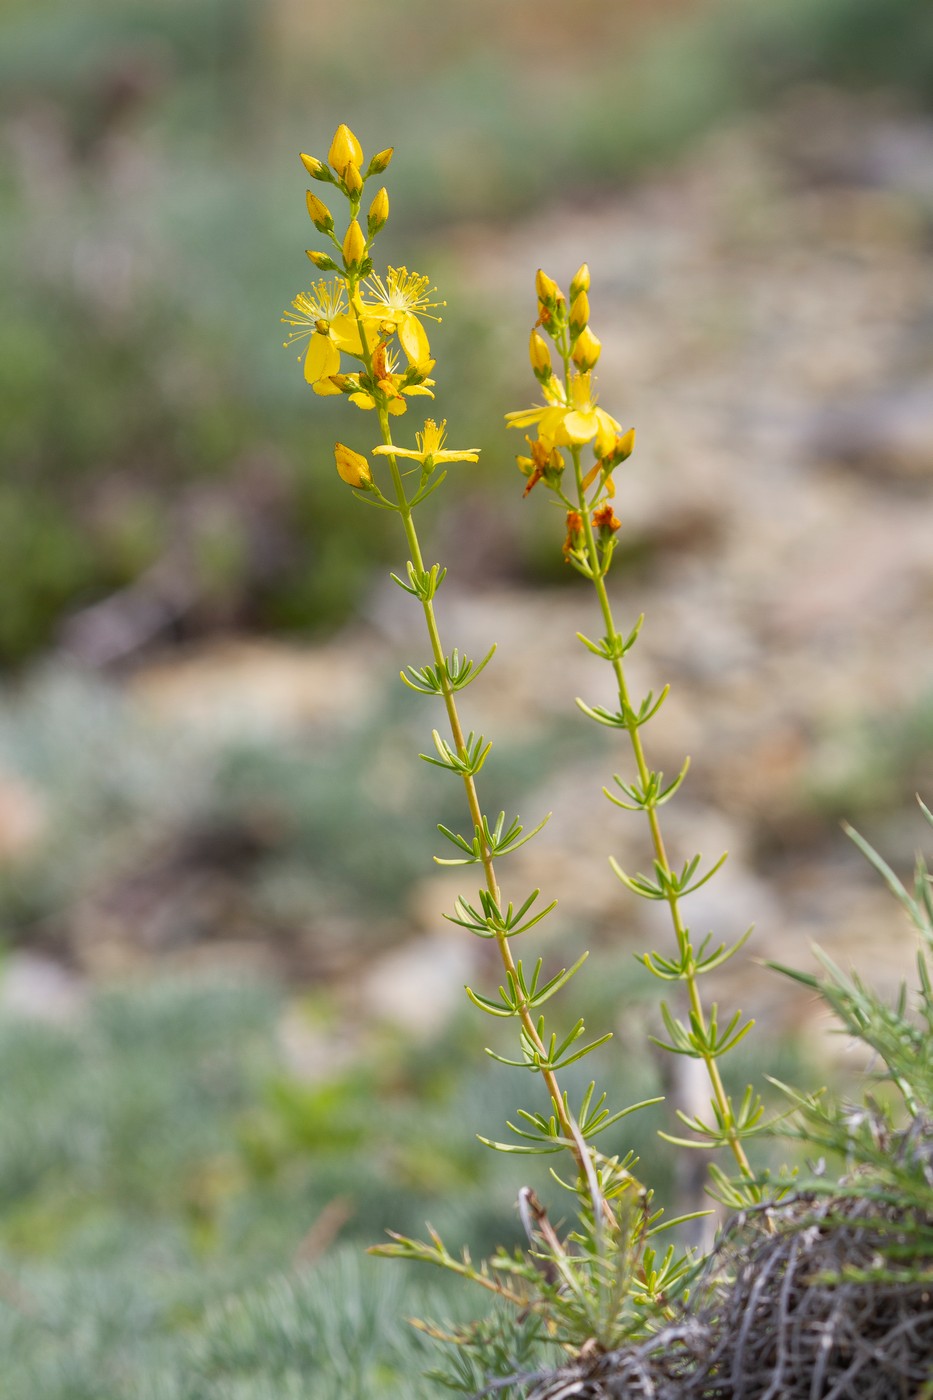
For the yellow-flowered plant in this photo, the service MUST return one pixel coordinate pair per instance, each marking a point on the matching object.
(568, 423)
(600, 1280)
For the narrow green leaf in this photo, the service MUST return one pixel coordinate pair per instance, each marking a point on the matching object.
(492, 1008)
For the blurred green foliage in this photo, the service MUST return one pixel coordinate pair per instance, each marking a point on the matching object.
(136, 822)
(153, 224)
(171, 1190)
(161, 1173)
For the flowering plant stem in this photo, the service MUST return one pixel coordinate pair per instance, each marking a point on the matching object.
(472, 797)
(568, 420)
(603, 1280)
(657, 840)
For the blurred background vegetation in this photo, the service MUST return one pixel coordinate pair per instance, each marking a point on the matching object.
(174, 1141)
(150, 200)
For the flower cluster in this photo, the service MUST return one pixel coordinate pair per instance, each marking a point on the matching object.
(354, 314)
(570, 417)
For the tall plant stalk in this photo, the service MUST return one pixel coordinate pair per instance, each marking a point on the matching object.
(569, 421)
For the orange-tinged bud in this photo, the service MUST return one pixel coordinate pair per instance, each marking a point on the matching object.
(547, 289)
(352, 467)
(580, 282)
(379, 360)
(575, 539)
(579, 312)
(605, 521)
(380, 161)
(321, 217)
(587, 350)
(354, 245)
(378, 212)
(540, 356)
(353, 179)
(343, 149)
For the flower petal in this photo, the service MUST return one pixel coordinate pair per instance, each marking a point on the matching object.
(322, 359)
(524, 417)
(325, 387)
(581, 424)
(385, 451)
(413, 339)
(605, 432)
(346, 334)
(467, 455)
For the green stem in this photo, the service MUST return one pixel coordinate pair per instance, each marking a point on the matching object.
(476, 815)
(598, 575)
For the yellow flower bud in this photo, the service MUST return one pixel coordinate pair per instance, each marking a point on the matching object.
(580, 282)
(380, 161)
(315, 168)
(352, 468)
(354, 245)
(623, 447)
(378, 212)
(343, 149)
(320, 215)
(540, 356)
(322, 261)
(547, 289)
(353, 179)
(579, 313)
(587, 350)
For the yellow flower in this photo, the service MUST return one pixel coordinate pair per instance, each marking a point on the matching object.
(321, 217)
(394, 385)
(580, 282)
(321, 315)
(402, 301)
(378, 212)
(354, 244)
(345, 150)
(579, 312)
(351, 467)
(540, 356)
(380, 161)
(548, 291)
(430, 449)
(545, 462)
(587, 350)
(315, 168)
(570, 423)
